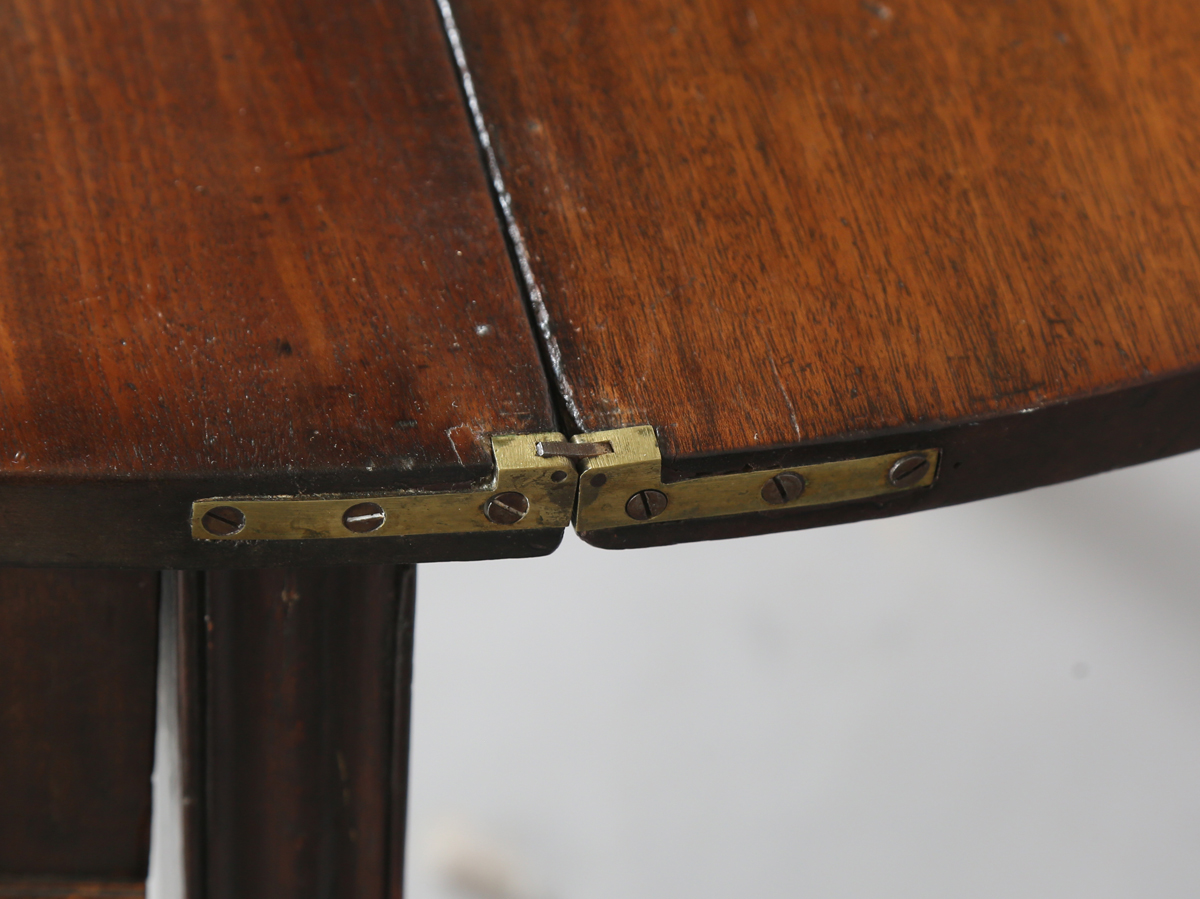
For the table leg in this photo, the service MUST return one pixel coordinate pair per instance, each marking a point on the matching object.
(304, 735)
(77, 672)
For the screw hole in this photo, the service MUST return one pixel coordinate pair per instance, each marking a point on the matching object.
(907, 471)
(783, 488)
(558, 477)
(507, 508)
(223, 521)
(364, 518)
(646, 504)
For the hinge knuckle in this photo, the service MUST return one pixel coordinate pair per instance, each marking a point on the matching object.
(536, 485)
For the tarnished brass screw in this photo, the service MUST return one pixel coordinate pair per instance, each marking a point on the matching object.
(908, 470)
(783, 488)
(363, 518)
(223, 521)
(646, 504)
(507, 508)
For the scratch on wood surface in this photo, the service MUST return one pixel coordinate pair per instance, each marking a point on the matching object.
(786, 398)
(465, 441)
(453, 445)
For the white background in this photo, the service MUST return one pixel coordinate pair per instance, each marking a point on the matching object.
(994, 700)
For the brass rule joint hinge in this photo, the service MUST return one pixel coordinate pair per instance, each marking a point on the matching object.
(624, 487)
(536, 485)
(529, 490)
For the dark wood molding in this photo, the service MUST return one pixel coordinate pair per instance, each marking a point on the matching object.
(184, 590)
(68, 524)
(307, 697)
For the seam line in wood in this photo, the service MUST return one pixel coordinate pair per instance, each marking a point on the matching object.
(541, 315)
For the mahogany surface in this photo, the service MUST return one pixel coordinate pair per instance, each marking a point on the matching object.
(77, 703)
(244, 248)
(773, 225)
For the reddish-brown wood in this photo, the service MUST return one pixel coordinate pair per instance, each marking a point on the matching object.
(307, 731)
(773, 224)
(244, 248)
(1000, 455)
(77, 700)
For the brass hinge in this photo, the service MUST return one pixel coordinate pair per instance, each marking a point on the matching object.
(529, 490)
(624, 487)
(536, 485)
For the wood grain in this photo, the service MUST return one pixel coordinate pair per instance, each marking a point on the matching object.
(803, 224)
(243, 247)
(308, 674)
(1000, 455)
(77, 702)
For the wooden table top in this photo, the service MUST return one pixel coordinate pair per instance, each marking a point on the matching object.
(244, 249)
(779, 231)
(252, 250)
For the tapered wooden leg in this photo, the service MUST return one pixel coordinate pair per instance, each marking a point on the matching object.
(306, 685)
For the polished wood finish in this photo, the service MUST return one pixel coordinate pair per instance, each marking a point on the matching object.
(776, 225)
(979, 459)
(245, 248)
(77, 701)
(308, 673)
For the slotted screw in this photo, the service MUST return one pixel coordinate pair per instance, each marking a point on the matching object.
(646, 504)
(908, 470)
(363, 518)
(783, 488)
(223, 521)
(507, 508)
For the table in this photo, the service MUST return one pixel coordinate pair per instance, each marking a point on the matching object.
(295, 296)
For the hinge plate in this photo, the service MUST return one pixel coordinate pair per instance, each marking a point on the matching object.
(632, 473)
(547, 484)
